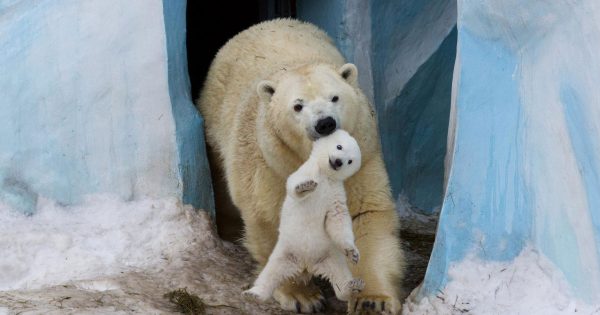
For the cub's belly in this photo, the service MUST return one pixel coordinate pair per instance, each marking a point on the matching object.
(307, 241)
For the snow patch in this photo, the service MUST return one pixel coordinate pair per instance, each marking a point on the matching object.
(530, 284)
(103, 236)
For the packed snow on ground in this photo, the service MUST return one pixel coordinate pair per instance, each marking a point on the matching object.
(104, 236)
(109, 256)
(528, 285)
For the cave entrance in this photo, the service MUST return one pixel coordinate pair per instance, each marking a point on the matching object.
(405, 64)
(204, 39)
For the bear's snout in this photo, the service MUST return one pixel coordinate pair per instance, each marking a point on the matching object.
(325, 126)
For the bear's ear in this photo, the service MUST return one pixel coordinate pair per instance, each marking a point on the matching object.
(349, 73)
(265, 90)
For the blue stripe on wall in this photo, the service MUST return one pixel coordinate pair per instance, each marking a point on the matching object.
(193, 163)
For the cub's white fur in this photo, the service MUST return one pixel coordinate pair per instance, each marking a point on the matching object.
(315, 231)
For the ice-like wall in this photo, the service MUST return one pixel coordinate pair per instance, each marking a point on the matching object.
(405, 52)
(95, 99)
(524, 145)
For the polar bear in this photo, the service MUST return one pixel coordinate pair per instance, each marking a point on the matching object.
(270, 92)
(315, 229)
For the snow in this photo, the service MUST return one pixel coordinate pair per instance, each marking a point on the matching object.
(103, 236)
(109, 256)
(529, 285)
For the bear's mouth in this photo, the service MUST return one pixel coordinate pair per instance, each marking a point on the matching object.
(333, 166)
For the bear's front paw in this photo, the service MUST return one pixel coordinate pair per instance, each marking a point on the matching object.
(306, 186)
(352, 254)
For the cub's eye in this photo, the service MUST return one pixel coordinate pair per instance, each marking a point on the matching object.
(335, 99)
(349, 162)
(339, 147)
(297, 107)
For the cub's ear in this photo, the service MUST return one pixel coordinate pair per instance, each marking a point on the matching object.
(265, 90)
(349, 73)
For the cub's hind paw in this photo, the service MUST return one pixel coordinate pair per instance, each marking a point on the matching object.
(356, 285)
(254, 295)
(306, 186)
(352, 254)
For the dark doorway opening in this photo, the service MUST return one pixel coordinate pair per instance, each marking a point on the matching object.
(209, 26)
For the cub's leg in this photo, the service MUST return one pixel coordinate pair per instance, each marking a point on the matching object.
(338, 225)
(281, 266)
(295, 294)
(335, 268)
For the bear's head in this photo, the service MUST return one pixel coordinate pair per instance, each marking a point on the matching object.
(310, 102)
(337, 155)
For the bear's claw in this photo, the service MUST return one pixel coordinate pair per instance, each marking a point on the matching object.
(372, 305)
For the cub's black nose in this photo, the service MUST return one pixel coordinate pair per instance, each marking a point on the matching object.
(338, 162)
(325, 126)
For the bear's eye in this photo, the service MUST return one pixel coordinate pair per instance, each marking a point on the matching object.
(335, 99)
(349, 162)
(297, 107)
(339, 147)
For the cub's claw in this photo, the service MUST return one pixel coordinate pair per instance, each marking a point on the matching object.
(254, 295)
(356, 285)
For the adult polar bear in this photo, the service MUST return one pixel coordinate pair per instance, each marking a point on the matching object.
(270, 91)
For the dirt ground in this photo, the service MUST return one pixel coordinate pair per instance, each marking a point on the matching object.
(214, 270)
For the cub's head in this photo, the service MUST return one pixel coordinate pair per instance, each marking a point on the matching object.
(337, 154)
(311, 102)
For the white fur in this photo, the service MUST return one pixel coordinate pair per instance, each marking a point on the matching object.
(315, 231)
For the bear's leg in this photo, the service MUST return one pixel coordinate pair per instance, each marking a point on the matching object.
(335, 268)
(299, 294)
(381, 263)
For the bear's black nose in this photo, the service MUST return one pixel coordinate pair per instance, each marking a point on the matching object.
(338, 162)
(325, 126)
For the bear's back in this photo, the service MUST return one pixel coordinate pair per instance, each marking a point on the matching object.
(277, 44)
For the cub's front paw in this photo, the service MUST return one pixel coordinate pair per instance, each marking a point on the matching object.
(306, 186)
(352, 254)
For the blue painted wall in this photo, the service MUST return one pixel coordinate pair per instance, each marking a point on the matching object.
(92, 107)
(193, 163)
(526, 156)
(407, 74)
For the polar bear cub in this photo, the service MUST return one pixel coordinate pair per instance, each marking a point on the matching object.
(315, 230)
